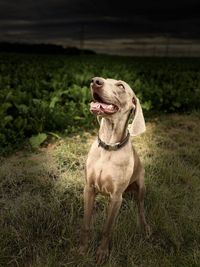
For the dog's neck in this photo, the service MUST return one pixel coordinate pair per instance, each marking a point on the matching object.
(113, 130)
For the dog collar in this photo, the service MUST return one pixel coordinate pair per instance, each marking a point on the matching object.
(114, 146)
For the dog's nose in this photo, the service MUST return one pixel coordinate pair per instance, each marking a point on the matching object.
(97, 82)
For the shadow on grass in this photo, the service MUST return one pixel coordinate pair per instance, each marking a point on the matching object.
(41, 205)
(42, 209)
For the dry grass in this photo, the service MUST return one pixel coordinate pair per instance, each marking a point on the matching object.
(41, 202)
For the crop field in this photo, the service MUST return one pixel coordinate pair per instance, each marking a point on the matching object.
(46, 130)
(49, 94)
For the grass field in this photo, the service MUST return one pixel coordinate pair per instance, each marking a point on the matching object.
(42, 202)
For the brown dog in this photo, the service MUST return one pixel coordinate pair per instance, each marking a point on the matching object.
(113, 166)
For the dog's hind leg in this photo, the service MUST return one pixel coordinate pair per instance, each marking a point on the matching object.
(140, 191)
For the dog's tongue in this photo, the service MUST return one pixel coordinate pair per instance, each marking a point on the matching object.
(100, 108)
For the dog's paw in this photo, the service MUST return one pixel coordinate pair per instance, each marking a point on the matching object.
(84, 242)
(102, 255)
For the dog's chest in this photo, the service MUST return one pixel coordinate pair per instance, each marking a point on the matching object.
(102, 177)
(107, 173)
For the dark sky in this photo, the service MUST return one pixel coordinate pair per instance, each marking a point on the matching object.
(68, 22)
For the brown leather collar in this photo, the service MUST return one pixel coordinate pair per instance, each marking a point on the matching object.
(115, 146)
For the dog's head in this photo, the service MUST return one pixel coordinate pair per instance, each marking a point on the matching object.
(112, 98)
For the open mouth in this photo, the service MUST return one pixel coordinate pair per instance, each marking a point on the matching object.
(99, 106)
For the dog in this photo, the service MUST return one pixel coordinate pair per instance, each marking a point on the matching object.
(113, 166)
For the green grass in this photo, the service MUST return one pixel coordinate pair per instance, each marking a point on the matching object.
(42, 202)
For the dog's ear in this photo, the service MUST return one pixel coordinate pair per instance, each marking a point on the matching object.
(138, 124)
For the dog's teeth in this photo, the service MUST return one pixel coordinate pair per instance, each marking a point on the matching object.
(110, 106)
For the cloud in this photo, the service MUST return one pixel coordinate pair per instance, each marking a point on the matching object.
(66, 21)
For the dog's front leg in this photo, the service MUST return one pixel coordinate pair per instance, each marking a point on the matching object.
(89, 196)
(113, 209)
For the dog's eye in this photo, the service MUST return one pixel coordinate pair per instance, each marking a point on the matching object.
(121, 86)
